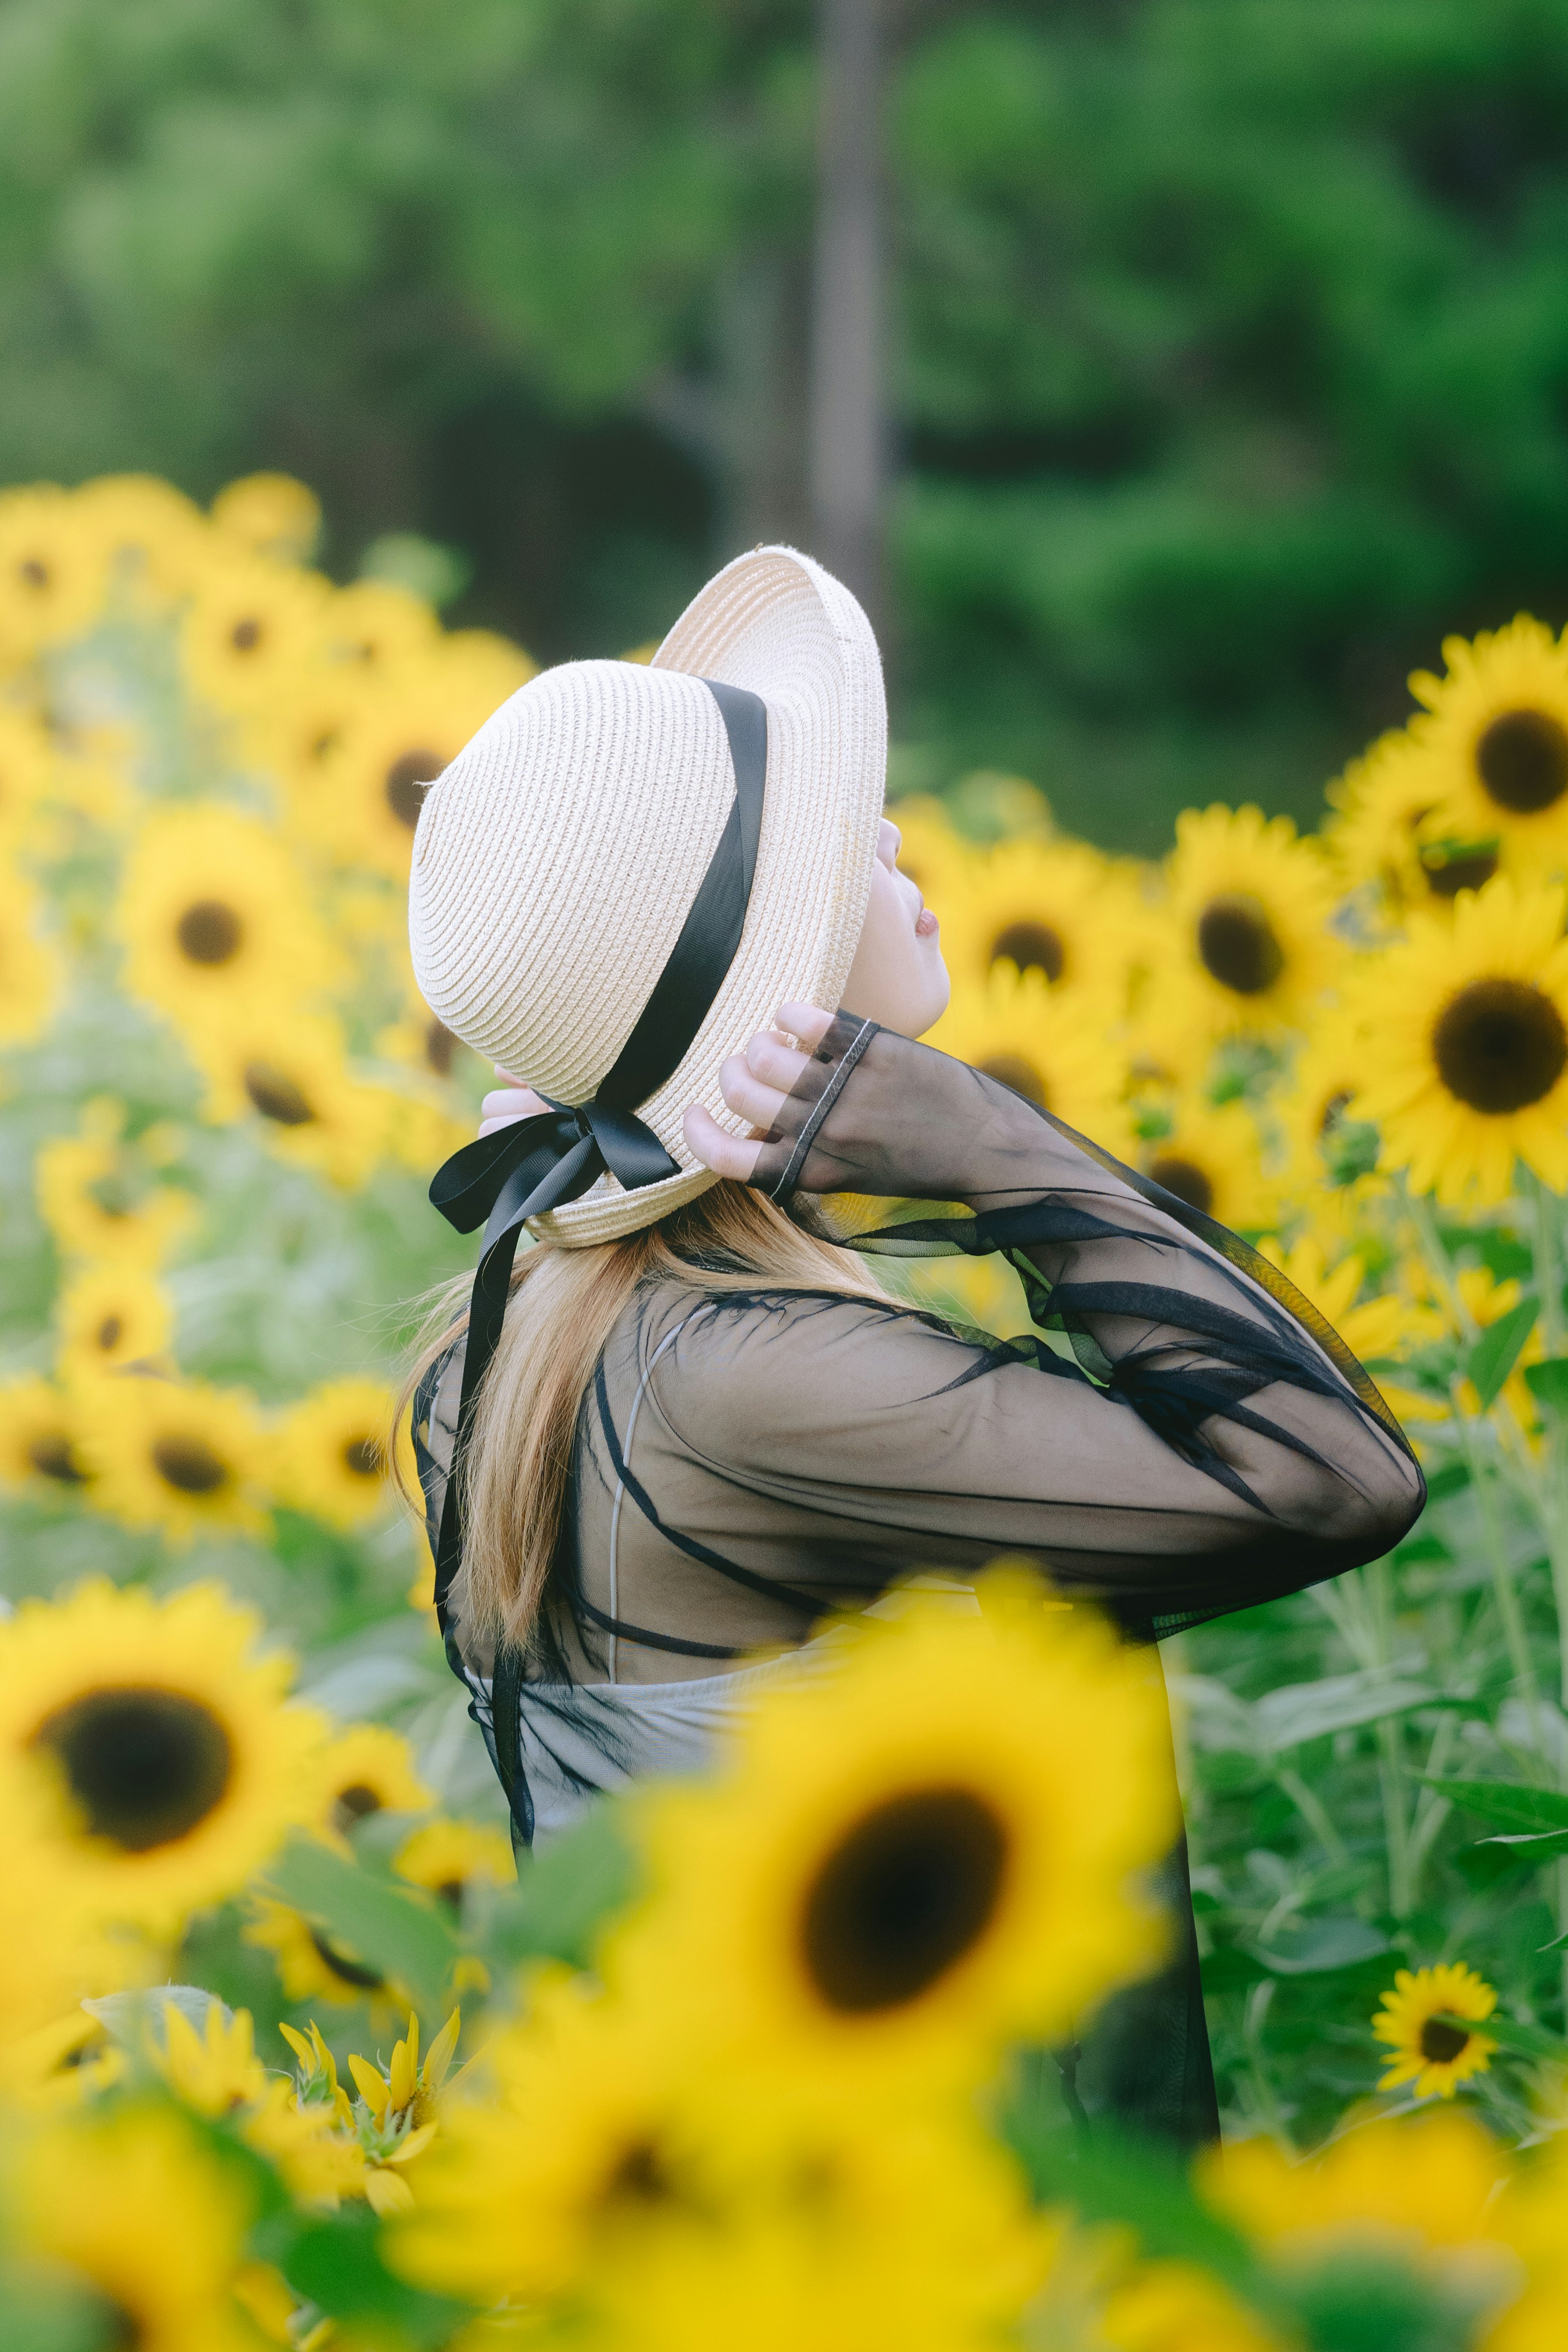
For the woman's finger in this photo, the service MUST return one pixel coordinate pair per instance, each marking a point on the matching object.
(806, 1022)
(778, 1064)
(748, 1096)
(504, 1106)
(734, 1156)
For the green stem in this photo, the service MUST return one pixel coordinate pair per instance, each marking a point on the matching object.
(1502, 1581)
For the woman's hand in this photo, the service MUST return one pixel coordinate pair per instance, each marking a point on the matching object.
(508, 1104)
(756, 1085)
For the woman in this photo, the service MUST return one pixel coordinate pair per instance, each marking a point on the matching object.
(688, 1421)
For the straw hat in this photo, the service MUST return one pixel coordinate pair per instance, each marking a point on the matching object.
(557, 857)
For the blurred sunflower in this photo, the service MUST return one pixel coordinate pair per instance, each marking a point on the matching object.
(1464, 1046)
(154, 541)
(250, 630)
(269, 515)
(40, 1436)
(25, 763)
(1390, 829)
(1433, 2179)
(1324, 1142)
(1047, 907)
(306, 728)
(214, 2071)
(29, 966)
(937, 860)
(174, 1766)
(586, 2188)
(377, 628)
(144, 2215)
(897, 1874)
(1211, 1159)
(294, 1078)
(483, 668)
(331, 1453)
(369, 1768)
(311, 1964)
(1370, 1327)
(1427, 2050)
(214, 916)
(1014, 1027)
(101, 1199)
(1175, 2307)
(51, 570)
(1248, 907)
(177, 1456)
(375, 781)
(449, 1858)
(110, 1317)
(1497, 740)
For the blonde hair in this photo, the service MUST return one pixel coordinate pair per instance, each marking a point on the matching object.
(564, 1304)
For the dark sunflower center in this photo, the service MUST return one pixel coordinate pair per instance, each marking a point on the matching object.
(111, 1332)
(440, 1046)
(1470, 870)
(52, 1455)
(1015, 1070)
(362, 1457)
(245, 635)
(277, 1095)
(146, 1766)
(408, 780)
(1522, 760)
(450, 1891)
(640, 2177)
(189, 1464)
(355, 1803)
(1236, 943)
(1185, 1178)
(343, 1964)
(120, 2329)
(1033, 947)
(35, 571)
(911, 1890)
(210, 932)
(1442, 2044)
(1499, 1045)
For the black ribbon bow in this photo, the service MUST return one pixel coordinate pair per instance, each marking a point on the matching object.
(536, 1164)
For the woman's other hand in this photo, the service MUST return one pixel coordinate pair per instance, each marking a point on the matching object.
(756, 1085)
(506, 1105)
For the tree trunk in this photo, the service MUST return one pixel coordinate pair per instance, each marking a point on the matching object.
(847, 456)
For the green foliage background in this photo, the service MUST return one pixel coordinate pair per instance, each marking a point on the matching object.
(1230, 350)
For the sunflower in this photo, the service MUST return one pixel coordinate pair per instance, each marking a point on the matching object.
(1248, 907)
(154, 540)
(1210, 1158)
(29, 967)
(1051, 907)
(1390, 829)
(299, 737)
(51, 570)
(331, 1453)
(312, 1964)
(212, 913)
(377, 628)
(585, 2183)
(449, 1858)
(251, 628)
(367, 1770)
(40, 1437)
(484, 667)
(1324, 1143)
(110, 1317)
(374, 782)
(269, 515)
(177, 1456)
(26, 765)
(1370, 1327)
(1433, 2179)
(174, 1765)
(215, 2071)
(898, 1873)
(1497, 740)
(144, 2216)
(101, 1199)
(937, 860)
(1175, 2307)
(293, 1079)
(1464, 1045)
(1051, 1048)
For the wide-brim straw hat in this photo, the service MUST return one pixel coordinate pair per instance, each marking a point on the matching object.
(558, 856)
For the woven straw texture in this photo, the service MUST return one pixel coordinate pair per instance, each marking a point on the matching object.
(557, 857)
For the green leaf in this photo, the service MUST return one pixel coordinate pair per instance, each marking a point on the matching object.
(1298, 1712)
(334, 2262)
(1548, 1383)
(1113, 2179)
(1532, 1848)
(395, 1933)
(1523, 2041)
(563, 1895)
(1231, 1969)
(1511, 1804)
(1497, 1350)
(1314, 1947)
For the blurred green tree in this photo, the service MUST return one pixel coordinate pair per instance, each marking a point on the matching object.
(1231, 340)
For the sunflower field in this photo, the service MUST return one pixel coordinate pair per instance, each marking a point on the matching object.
(291, 2053)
